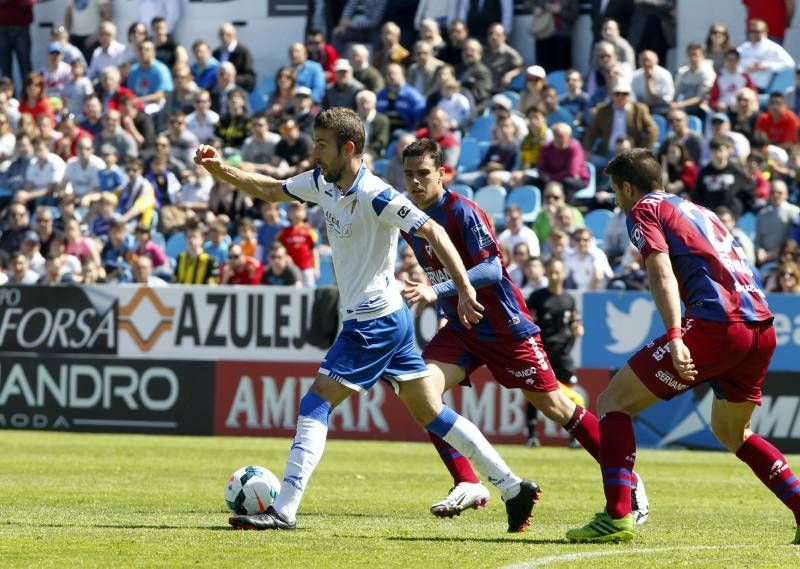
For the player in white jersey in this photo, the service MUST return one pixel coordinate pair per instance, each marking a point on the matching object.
(363, 215)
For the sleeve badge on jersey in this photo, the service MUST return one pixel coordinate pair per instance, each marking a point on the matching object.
(482, 235)
(637, 237)
(403, 212)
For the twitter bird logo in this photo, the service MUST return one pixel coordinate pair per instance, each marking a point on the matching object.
(629, 329)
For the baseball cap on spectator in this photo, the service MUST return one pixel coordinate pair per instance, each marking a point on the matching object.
(302, 91)
(622, 86)
(720, 117)
(535, 71)
(501, 100)
(31, 236)
(55, 47)
(342, 65)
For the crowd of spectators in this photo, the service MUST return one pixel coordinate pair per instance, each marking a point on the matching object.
(97, 182)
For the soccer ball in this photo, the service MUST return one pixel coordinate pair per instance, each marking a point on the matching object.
(251, 490)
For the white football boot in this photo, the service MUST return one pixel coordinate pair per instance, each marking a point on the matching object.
(461, 497)
(640, 505)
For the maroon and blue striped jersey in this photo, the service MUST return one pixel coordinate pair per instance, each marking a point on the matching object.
(715, 280)
(505, 314)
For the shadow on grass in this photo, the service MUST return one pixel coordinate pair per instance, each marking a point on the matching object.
(118, 526)
(482, 540)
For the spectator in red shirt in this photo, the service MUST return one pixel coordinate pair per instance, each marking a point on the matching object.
(33, 100)
(240, 269)
(562, 160)
(778, 122)
(776, 13)
(438, 130)
(15, 22)
(300, 240)
(321, 52)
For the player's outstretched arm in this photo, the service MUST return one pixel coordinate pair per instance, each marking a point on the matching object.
(469, 309)
(259, 186)
(666, 295)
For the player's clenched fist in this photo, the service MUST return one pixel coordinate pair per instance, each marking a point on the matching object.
(207, 157)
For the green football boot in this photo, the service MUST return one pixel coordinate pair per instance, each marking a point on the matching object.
(603, 528)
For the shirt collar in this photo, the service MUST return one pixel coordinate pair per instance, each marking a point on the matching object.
(357, 182)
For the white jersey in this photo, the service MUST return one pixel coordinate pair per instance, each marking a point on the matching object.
(363, 225)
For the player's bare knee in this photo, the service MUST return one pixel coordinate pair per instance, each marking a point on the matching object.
(730, 435)
(424, 407)
(554, 405)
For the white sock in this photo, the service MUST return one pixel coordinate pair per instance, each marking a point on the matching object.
(309, 443)
(467, 439)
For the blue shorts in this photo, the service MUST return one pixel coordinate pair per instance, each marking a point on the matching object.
(367, 351)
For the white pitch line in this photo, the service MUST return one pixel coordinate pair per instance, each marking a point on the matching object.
(565, 557)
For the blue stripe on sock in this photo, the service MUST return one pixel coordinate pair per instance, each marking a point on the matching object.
(793, 490)
(315, 407)
(442, 424)
(616, 482)
(624, 471)
(784, 484)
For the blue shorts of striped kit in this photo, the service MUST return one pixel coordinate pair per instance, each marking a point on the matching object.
(381, 348)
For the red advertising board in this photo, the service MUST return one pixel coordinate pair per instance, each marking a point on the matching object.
(261, 399)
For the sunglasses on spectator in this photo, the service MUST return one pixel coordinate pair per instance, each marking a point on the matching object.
(552, 197)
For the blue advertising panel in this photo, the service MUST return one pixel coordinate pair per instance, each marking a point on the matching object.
(617, 324)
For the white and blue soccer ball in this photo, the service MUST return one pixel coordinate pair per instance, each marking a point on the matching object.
(251, 490)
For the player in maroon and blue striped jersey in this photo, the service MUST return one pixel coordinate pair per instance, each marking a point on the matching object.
(506, 339)
(726, 338)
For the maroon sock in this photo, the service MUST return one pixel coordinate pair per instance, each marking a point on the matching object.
(458, 465)
(584, 427)
(771, 467)
(617, 456)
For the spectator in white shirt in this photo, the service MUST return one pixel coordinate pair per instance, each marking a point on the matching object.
(516, 232)
(44, 174)
(81, 175)
(762, 57)
(56, 71)
(693, 82)
(587, 266)
(202, 120)
(652, 84)
(108, 53)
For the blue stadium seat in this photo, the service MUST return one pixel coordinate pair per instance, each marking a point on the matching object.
(379, 166)
(471, 155)
(158, 238)
(481, 129)
(261, 92)
(597, 220)
(589, 191)
(390, 148)
(326, 275)
(518, 82)
(493, 200)
(695, 124)
(464, 190)
(528, 199)
(747, 223)
(176, 244)
(513, 96)
(663, 127)
(782, 81)
(558, 79)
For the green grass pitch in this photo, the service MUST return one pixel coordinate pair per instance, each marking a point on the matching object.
(79, 500)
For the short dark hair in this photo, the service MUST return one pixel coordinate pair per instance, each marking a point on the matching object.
(639, 167)
(733, 51)
(694, 46)
(424, 147)
(719, 142)
(345, 125)
(776, 95)
(157, 20)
